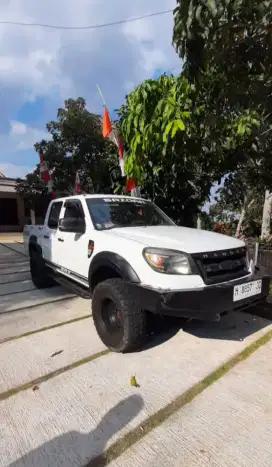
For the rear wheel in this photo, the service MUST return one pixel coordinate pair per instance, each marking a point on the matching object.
(39, 271)
(119, 321)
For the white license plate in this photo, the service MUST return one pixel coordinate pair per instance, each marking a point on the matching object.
(249, 289)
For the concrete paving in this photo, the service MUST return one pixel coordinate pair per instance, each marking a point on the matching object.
(69, 407)
(31, 298)
(37, 317)
(229, 424)
(14, 277)
(74, 341)
(17, 287)
(70, 418)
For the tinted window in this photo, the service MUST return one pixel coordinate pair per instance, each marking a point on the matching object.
(54, 214)
(74, 211)
(110, 213)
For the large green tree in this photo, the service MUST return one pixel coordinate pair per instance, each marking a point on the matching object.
(75, 143)
(172, 149)
(226, 46)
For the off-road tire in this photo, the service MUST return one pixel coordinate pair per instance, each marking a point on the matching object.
(39, 271)
(132, 316)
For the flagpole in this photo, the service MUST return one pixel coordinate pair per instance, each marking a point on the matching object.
(134, 191)
(101, 95)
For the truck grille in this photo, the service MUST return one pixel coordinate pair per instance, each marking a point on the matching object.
(222, 266)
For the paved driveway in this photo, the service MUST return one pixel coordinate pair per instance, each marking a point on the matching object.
(67, 401)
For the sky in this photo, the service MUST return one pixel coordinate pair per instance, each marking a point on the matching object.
(40, 68)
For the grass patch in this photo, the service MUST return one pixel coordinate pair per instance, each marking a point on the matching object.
(155, 420)
(42, 379)
(45, 328)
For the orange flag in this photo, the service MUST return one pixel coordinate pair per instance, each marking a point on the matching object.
(108, 131)
(130, 184)
(107, 128)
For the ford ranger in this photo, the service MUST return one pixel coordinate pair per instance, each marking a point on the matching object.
(131, 258)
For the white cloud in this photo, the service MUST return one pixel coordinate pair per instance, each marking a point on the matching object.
(24, 136)
(15, 171)
(36, 62)
(36, 59)
(17, 128)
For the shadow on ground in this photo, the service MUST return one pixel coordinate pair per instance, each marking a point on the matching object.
(234, 326)
(76, 449)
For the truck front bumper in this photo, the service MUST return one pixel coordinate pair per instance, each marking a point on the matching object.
(206, 303)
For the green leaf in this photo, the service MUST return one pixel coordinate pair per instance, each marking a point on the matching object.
(167, 130)
(212, 7)
(241, 129)
(180, 125)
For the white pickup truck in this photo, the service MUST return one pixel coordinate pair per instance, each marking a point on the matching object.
(130, 258)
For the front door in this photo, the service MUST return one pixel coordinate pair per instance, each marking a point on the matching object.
(73, 247)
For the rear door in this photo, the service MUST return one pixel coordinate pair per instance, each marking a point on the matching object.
(49, 240)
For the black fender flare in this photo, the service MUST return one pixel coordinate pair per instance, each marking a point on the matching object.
(115, 262)
(33, 244)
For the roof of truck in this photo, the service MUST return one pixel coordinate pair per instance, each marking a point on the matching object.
(97, 196)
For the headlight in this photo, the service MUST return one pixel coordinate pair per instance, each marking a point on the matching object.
(167, 261)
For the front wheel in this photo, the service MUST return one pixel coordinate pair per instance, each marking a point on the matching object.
(119, 321)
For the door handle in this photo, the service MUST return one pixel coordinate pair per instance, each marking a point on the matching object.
(46, 236)
(60, 240)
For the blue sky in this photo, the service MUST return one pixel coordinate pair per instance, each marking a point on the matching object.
(39, 68)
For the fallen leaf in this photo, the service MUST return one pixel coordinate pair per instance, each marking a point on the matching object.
(133, 382)
(56, 353)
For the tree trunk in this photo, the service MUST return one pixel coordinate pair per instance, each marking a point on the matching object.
(242, 216)
(32, 216)
(267, 210)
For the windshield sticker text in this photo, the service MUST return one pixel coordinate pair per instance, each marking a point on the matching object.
(124, 200)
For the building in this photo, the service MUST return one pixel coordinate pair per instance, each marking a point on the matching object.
(12, 206)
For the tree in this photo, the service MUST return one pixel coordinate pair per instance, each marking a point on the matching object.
(33, 190)
(238, 206)
(170, 149)
(230, 41)
(231, 37)
(226, 46)
(75, 143)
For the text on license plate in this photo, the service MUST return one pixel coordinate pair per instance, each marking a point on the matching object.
(247, 290)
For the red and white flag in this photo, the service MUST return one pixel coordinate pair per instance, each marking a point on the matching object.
(77, 184)
(44, 169)
(46, 175)
(110, 132)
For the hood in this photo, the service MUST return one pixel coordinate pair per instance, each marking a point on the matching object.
(178, 238)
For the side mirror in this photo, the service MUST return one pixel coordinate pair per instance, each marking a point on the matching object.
(72, 225)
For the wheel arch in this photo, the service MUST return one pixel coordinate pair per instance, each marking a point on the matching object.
(109, 265)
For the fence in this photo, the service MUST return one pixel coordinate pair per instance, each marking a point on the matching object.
(261, 253)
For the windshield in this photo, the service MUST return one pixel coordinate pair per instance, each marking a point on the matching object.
(110, 213)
